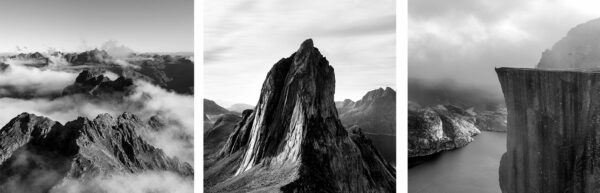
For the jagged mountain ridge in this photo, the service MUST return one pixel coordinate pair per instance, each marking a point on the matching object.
(375, 113)
(33, 147)
(293, 141)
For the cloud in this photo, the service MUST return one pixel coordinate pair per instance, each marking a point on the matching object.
(465, 40)
(17, 80)
(246, 38)
(147, 100)
(147, 182)
(115, 50)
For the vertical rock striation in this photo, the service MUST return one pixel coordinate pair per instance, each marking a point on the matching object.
(553, 137)
(293, 141)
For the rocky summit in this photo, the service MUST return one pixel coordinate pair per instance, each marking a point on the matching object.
(293, 141)
(37, 153)
(94, 83)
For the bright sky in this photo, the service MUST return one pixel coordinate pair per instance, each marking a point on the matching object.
(243, 39)
(463, 40)
(75, 25)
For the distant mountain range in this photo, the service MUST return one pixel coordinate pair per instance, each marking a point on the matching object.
(375, 113)
(175, 73)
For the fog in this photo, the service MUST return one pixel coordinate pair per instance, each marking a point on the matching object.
(463, 41)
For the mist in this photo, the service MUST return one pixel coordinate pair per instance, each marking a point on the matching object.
(147, 100)
(18, 80)
(464, 41)
(147, 182)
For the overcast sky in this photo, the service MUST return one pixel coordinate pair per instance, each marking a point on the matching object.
(243, 39)
(464, 40)
(75, 25)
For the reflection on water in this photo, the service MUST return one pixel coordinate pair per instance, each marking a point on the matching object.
(471, 169)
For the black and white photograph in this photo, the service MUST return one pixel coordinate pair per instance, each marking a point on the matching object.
(299, 96)
(502, 96)
(96, 96)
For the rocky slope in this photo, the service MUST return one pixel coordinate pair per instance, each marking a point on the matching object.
(375, 113)
(440, 128)
(577, 50)
(491, 120)
(294, 142)
(216, 135)
(212, 108)
(37, 153)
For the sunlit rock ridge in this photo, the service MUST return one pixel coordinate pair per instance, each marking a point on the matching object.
(293, 141)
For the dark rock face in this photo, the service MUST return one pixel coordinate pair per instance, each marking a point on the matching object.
(3, 67)
(578, 50)
(94, 83)
(37, 153)
(440, 128)
(294, 142)
(552, 140)
(374, 113)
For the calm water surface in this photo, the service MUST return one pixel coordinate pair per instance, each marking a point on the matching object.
(471, 169)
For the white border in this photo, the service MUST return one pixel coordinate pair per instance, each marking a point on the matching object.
(402, 96)
(198, 95)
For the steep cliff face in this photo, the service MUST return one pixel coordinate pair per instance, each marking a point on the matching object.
(440, 128)
(375, 113)
(293, 141)
(553, 137)
(37, 153)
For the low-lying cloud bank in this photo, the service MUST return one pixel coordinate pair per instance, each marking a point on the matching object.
(146, 101)
(148, 182)
(19, 80)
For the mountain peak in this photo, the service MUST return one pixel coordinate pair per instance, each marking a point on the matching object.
(294, 131)
(306, 53)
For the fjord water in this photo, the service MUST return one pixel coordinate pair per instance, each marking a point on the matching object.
(471, 169)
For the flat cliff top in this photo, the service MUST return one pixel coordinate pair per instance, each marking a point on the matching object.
(586, 70)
